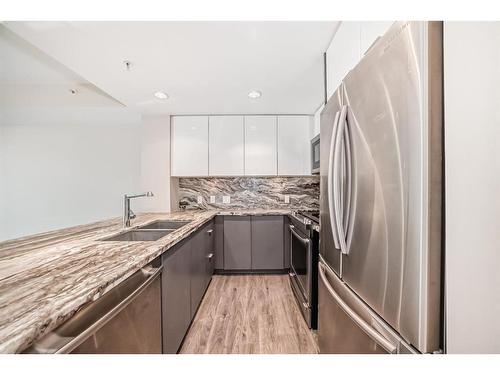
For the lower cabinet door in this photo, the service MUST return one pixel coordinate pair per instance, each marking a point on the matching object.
(198, 269)
(286, 242)
(176, 303)
(209, 252)
(267, 243)
(237, 243)
(219, 243)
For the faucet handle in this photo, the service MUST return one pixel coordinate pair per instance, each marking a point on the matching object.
(131, 214)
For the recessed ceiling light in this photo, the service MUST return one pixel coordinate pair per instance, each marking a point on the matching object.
(161, 95)
(254, 94)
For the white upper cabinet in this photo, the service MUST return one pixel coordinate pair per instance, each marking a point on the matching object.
(189, 146)
(342, 54)
(226, 146)
(370, 31)
(350, 43)
(294, 148)
(260, 145)
(241, 145)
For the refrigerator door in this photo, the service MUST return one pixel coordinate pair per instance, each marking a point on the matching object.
(346, 325)
(392, 261)
(329, 244)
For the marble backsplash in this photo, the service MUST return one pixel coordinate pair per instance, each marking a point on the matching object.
(250, 192)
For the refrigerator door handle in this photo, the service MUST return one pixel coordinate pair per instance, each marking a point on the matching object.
(368, 329)
(331, 207)
(349, 185)
(336, 183)
(350, 213)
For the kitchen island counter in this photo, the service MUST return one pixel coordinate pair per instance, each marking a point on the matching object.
(46, 278)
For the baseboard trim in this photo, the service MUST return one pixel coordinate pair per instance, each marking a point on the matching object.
(252, 272)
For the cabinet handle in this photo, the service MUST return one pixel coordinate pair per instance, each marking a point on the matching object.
(210, 231)
(210, 256)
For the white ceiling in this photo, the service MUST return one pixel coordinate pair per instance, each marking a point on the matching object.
(30, 78)
(205, 67)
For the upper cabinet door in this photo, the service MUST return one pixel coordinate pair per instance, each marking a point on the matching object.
(189, 146)
(226, 146)
(294, 145)
(260, 146)
(370, 31)
(343, 54)
(351, 41)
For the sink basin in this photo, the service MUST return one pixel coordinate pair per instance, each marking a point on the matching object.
(139, 235)
(165, 224)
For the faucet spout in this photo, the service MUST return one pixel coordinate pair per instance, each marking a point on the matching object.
(128, 214)
(146, 194)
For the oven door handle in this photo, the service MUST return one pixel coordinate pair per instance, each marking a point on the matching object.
(305, 241)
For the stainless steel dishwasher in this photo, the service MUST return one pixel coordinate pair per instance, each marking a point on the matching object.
(127, 319)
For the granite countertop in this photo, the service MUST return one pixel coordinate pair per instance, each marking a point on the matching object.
(46, 278)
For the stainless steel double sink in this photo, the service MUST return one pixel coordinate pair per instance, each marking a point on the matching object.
(149, 232)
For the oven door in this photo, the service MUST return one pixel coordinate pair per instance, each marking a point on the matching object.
(300, 261)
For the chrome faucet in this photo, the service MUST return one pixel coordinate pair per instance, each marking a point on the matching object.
(128, 214)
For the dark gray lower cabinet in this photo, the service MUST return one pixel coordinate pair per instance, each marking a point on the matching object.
(201, 264)
(176, 296)
(286, 243)
(253, 243)
(209, 252)
(219, 243)
(237, 243)
(267, 243)
(187, 270)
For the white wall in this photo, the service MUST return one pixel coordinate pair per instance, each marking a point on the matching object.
(61, 167)
(155, 164)
(472, 146)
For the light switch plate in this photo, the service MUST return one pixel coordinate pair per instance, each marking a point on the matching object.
(287, 198)
(200, 199)
(226, 199)
(212, 199)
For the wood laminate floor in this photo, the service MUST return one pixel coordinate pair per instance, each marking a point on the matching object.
(249, 314)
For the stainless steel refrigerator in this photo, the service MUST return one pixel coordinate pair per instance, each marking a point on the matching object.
(381, 198)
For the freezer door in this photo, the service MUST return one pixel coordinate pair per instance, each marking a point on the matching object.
(329, 244)
(391, 256)
(346, 325)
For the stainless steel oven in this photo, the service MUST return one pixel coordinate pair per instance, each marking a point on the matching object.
(303, 264)
(315, 155)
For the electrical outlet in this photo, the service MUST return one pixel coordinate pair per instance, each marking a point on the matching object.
(200, 199)
(212, 199)
(287, 198)
(226, 199)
